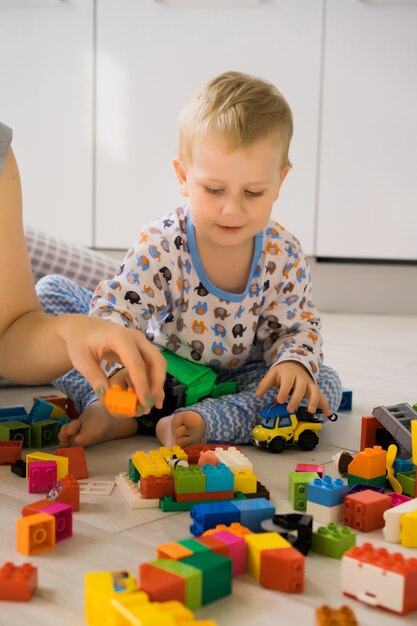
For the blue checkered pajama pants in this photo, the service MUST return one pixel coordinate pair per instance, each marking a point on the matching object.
(228, 418)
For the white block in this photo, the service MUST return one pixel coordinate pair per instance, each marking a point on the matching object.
(392, 519)
(326, 514)
(132, 494)
(234, 459)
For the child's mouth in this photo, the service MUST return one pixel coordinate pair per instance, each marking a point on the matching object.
(230, 229)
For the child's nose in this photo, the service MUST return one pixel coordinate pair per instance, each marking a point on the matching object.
(233, 206)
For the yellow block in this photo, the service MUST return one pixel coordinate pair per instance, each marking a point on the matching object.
(408, 532)
(245, 481)
(151, 464)
(414, 440)
(256, 544)
(100, 588)
(62, 462)
(175, 450)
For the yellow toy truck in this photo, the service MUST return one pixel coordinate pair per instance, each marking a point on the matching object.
(277, 428)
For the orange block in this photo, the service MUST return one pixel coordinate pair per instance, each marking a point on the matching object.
(123, 401)
(18, 582)
(77, 462)
(282, 569)
(68, 492)
(326, 616)
(214, 544)
(172, 550)
(160, 585)
(369, 463)
(35, 533)
(235, 528)
(35, 507)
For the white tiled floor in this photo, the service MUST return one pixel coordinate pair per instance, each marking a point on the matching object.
(376, 357)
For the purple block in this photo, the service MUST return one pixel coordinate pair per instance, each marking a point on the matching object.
(42, 476)
(63, 519)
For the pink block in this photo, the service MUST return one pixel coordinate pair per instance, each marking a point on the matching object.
(397, 498)
(237, 550)
(207, 457)
(42, 476)
(63, 519)
(301, 467)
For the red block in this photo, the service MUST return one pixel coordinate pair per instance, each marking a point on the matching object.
(68, 492)
(10, 452)
(161, 585)
(204, 496)
(364, 510)
(193, 450)
(35, 507)
(282, 569)
(153, 488)
(18, 582)
(77, 462)
(215, 545)
(369, 426)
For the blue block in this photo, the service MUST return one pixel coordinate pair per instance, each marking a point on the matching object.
(401, 465)
(218, 477)
(41, 409)
(253, 512)
(61, 421)
(208, 515)
(346, 401)
(12, 413)
(326, 491)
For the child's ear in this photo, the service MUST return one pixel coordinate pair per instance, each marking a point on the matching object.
(181, 176)
(282, 177)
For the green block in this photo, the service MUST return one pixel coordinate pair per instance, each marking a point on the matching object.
(133, 472)
(408, 482)
(169, 505)
(15, 431)
(297, 488)
(379, 481)
(333, 540)
(193, 580)
(44, 433)
(195, 546)
(223, 389)
(189, 479)
(217, 574)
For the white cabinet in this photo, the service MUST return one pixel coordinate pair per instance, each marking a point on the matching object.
(46, 69)
(152, 55)
(368, 183)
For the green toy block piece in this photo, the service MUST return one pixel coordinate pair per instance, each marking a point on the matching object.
(195, 546)
(223, 389)
(408, 482)
(193, 580)
(133, 472)
(15, 431)
(415, 406)
(333, 540)
(198, 379)
(169, 505)
(379, 481)
(297, 488)
(217, 574)
(189, 479)
(44, 433)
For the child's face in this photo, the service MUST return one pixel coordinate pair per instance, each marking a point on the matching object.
(231, 193)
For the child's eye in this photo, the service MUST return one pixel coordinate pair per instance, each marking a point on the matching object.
(253, 194)
(213, 191)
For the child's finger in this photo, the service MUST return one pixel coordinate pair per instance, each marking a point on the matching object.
(285, 389)
(267, 381)
(314, 398)
(86, 363)
(324, 405)
(297, 395)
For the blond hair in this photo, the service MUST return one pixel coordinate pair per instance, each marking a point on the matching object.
(239, 109)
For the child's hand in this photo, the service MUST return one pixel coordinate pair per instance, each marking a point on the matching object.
(293, 379)
(123, 380)
(89, 340)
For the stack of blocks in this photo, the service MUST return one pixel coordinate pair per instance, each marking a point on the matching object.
(401, 524)
(250, 513)
(325, 498)
(368, 467)
(297, 488)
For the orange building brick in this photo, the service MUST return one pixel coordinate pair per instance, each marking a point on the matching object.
(35, 533)
(18, 583)
(370, 463)
(326, 616)
(77, 461)
(122, 401)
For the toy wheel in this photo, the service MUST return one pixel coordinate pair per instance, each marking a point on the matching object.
(277, 445)
(308, 440)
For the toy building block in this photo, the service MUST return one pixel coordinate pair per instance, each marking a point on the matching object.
(173, 550)
(361, 487)
(282, 569)
(235, 527)
(327, 491)
(408, 532)
(253, 512)
(76, 459)
(392, 517)
(402, 465)
(408, 482)
(14, 413)
(42, 476)
(303, 467)
(133, 472)
(63, 519)
(121, 401)
(207, 515)
(194, 450)
(44, 433)
(172, 580)
(326, 616)
(100, 588)
(96, 487)
(10, 452)
(398, 498)
(18, 583)
(373, 433)
(19, 468)
(204, 496)
(35, 533)
(346, 401)
(234, 459)
(365, 510)
(236, 549)
(175, 451)
(151, 464)
(297, 488)
(172, 613)
(257, 543)
(245, 482)
(59, 402)
(397, 421)
(153, 487)
(261, 492)
(35, 507)
(370, 463)
(380, 578)
(132, 494)
(216, 573)
(61, 462)
(189, 479)
(220, 478)
(379, 481)
(414, 439)
(66, 491)
(333, 540)
(15, 430)
(52, 407)
(326, 514)
(296, 528)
